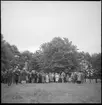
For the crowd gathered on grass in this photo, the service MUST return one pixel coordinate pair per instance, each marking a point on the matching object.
(23, 76)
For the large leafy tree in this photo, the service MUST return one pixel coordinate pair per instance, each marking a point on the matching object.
(9, 54)
(59, 54)
(6, 54)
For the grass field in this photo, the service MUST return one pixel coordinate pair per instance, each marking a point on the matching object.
(51, 93)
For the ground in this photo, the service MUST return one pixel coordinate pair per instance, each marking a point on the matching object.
(51, 93)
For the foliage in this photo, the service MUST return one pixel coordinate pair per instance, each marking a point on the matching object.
(55, 56)
(96, 64)
(59, 54)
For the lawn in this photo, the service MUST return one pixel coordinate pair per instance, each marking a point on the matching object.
(51, 93)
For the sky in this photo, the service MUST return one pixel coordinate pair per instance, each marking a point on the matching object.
(28, 24)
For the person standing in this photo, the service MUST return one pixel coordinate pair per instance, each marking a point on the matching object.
(20, 76)
(52, 75)
(60, 80)
(27, 74)
(36, 77)
(13, 76)
(82, 77)
(74, 77)
(16, 73)
(19, 72)
(24, 74)
(42, 77)
(9, 77)
(79, 78)
(33, 76)
(67, 77)
(47, 78)
(62, 76)
(57, 77)
(29, 77)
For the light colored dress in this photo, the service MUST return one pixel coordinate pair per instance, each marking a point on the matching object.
(47, 78)
(52, 77)
(70, 79)
(62, 76)
(79, 76)
(57, 77)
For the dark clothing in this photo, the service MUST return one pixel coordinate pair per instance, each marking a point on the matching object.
(23, 75)
(40, 78)
(34, 77)
(9, 78)
(29, 78)
(16, 76)
(79, 82)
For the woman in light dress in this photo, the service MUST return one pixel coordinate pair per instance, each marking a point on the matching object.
(62, 77)
(47, 78)
(57, 77)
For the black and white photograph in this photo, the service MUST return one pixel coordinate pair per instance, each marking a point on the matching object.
(51, 52)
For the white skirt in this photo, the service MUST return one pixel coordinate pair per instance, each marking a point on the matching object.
(57, 79)
(70, 79)
(47, 80)
(23, 82)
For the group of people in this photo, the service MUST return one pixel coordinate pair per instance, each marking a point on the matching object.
(21, 76)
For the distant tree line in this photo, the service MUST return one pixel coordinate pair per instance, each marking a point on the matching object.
(55, 56)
